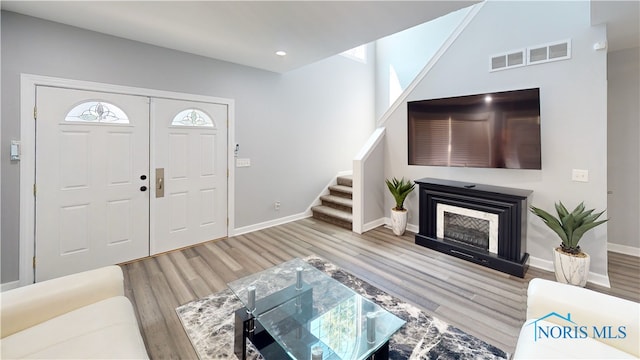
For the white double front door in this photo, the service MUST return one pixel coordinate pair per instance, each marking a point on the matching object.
(99, 200)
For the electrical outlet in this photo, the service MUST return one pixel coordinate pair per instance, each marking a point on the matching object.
(580, 175)
(276, 205)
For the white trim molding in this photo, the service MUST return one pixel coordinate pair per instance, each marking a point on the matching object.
(547, 265)
(623, 249)
(375, 223)
(272, 223)
(410, 227)
(10, 285)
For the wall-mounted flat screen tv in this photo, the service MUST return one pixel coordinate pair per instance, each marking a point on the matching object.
(493, 130)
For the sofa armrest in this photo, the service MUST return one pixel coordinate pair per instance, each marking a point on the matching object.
(587, 308)
(27, 306)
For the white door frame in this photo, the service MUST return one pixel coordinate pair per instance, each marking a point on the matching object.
(28, 83)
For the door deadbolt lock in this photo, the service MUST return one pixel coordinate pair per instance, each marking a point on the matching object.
(143, 188)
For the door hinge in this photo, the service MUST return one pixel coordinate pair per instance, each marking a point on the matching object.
(227, 221)
(35, 113)
(34, 262)
(34, 189)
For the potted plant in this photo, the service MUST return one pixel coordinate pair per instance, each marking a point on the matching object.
(571, 264)
(400, 189)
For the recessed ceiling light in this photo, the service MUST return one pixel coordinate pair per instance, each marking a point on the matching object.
(281, 53)
(488, 99)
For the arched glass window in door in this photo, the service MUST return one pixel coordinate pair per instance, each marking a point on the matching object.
(192, 117)
(97, 112)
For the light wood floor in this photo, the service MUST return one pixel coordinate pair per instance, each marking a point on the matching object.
(485, 303)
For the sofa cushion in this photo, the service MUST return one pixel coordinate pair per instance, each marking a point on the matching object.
(549, 348)
(30, 305)
(587, 307)
(107, 329)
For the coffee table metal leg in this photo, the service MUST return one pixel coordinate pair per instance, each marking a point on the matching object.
(244, 327)
(382, 353)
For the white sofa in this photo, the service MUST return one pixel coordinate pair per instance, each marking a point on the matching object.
(570, 322)
(80, 316)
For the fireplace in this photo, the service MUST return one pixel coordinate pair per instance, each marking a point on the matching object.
(470, 227)
(479, 223)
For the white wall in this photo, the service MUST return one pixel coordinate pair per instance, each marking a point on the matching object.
(624, 149)
(573, 112)
(408, 52)
(299, 129)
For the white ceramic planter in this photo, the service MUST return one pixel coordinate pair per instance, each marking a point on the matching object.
(398, 221)
(571, 269)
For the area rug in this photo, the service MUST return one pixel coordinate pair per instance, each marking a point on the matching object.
(209, 324)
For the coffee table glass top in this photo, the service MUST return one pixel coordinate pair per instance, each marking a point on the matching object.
(322, 313)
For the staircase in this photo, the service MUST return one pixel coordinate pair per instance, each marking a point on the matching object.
(336, 208)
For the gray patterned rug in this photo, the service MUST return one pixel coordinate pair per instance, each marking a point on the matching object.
(209, 323)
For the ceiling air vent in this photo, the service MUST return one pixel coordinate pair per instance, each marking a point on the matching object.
(549, 52)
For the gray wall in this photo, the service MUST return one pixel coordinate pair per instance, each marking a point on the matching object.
(573, 112)
(623, 159)
(299, 129)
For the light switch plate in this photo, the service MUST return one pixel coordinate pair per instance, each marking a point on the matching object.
(15, 150)
(243, 162)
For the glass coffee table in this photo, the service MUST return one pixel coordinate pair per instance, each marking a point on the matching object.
(295, 311)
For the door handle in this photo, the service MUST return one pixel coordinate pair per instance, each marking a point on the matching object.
(159, 182)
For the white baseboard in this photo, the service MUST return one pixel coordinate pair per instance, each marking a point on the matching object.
(410, 227)
(373, 224)
(541, 264)
(270, 223)
(599, 279)
(547, 265)
(623, 249)
(9, 285)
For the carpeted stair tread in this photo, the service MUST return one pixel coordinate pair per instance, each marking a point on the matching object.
(326, 210)
(338, 200)
(342, 189)
(337, 206)
(346, 180)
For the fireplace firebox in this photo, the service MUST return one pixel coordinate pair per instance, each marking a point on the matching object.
(483, 224)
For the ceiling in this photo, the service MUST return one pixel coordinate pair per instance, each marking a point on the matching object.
(250, 32)
(244, 32)
(622, 19)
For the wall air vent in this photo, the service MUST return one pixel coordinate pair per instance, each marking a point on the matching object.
(549, 52)
(532, 55)
(507, 61)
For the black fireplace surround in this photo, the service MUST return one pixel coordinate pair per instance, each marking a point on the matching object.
(509, 204)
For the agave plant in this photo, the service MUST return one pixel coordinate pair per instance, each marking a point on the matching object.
(570, 226)
(400, 189)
